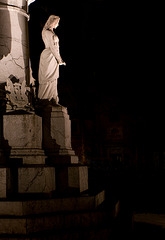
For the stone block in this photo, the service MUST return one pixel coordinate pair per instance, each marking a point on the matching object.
(8, 182)
(3, 182)
(78, 177)
(23, 131)
(61, 127)
(11, 208)
(57, 131)
(36, 179)
(72, 178)
(13, 226)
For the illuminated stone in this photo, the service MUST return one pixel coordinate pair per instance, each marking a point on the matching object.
(14, 50)
(50, 60)
(23, 132)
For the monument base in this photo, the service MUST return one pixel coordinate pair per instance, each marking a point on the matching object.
(42, 185)
(29, 218)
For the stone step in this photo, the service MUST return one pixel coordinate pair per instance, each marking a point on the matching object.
(97, 233)
(30, 207)
(61, 222)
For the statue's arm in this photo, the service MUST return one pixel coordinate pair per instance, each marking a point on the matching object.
(54, 46)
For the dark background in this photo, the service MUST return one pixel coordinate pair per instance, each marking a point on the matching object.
(114, 77)
(110, 50)
(114, 58)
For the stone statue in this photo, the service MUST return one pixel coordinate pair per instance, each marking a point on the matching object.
(50, 60)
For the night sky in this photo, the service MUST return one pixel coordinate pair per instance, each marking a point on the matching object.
(113, 53)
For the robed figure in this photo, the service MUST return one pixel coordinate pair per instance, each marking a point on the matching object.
(50, 60)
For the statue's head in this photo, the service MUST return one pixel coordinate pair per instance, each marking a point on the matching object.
(52, 21)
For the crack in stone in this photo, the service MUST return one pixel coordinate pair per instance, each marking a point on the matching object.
(17, 59)
(4, 37)
(38, 174)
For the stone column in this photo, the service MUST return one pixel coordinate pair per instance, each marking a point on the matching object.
(14, 46)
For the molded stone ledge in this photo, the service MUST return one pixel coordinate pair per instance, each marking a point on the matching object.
(28, 156)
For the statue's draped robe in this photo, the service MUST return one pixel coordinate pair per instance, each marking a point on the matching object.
(49, 66)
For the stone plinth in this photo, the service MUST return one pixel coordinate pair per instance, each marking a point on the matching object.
(61, 127)
(29, 217)
(26, 171)
(70, 176)
(23, 132)
(57, 135)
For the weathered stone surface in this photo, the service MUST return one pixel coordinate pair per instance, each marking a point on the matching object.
(78, 177)
(61, 127)
(57, 133)
(36, 179)
(3, 182)
(73, 178)
(55, 205)
(13, 226)
(23, 130)
(14, 57)
(61, 221)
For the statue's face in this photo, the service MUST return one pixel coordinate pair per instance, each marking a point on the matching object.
(55, 24)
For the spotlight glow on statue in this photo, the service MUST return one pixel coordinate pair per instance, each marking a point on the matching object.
(50, 60)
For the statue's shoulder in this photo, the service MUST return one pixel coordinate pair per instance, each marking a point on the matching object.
(51, 34)
(47, 32)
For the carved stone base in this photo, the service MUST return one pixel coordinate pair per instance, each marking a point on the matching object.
(25, 218)
(57, 134)
(40, 156)
(23, 133)
(27, 156)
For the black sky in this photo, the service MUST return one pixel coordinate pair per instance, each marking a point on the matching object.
(111, 50)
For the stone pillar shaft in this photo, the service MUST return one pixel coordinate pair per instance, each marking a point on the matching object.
(14, 45)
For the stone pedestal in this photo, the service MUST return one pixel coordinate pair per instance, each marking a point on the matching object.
(70, 175)
(26, 168)
(40, 156)
(23, 132)
(57, 134)
(42, 185)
